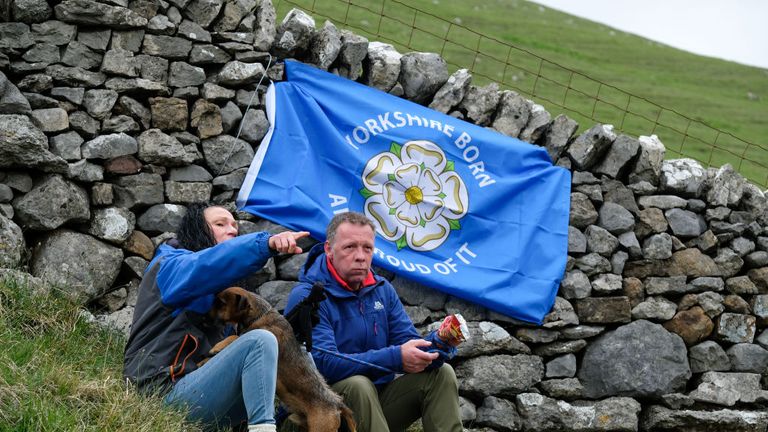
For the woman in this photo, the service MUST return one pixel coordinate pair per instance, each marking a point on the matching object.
(172, 331)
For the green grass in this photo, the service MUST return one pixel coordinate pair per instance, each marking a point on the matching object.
(60, 373)
(589, 71)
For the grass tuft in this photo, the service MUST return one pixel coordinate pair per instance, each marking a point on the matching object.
(58, 372)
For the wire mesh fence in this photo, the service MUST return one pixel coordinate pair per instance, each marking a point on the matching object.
(558, 88)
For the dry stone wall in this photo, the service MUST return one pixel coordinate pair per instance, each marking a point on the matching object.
(115, 114)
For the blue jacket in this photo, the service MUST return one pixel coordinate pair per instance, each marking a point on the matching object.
(171, 330)
(368, 325)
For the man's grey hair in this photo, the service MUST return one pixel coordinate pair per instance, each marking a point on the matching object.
(354, 218)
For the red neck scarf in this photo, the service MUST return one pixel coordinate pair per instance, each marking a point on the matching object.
(369, 280)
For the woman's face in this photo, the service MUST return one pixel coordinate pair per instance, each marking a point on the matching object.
(222, 223)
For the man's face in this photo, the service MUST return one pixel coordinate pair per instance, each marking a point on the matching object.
(351, 253)
(222, 224)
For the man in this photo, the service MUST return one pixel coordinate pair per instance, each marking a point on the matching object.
(363, 318)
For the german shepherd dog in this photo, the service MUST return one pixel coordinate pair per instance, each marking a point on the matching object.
(314, 406)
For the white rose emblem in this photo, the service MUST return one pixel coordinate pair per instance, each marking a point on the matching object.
(413, 195)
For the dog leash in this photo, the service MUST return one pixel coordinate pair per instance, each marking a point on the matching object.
(353, 360)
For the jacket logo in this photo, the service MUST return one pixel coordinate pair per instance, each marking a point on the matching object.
(378, 305)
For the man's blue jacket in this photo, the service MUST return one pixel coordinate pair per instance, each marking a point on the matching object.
(368, 325)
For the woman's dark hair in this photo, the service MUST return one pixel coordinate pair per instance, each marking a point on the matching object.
(194, 233)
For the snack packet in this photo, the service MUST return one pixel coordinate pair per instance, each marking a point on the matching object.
(453, 330)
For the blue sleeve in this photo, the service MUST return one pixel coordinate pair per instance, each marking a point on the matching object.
(185, 275)
(401, 328)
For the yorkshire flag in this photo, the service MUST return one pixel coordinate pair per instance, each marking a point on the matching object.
(457, 207)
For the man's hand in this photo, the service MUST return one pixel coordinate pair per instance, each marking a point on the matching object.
(414, 359)
(285, 242)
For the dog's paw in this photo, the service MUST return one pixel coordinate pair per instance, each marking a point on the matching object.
(221, 345)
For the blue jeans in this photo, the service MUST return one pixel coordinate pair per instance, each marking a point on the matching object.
(236, 384)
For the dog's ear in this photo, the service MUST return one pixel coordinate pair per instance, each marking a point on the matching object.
(242, 302)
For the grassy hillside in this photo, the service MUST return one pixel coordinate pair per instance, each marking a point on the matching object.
(60, 373)
(516, 34)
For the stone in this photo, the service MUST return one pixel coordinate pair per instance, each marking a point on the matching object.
(206, 117)
(421, 75)
(566, 388)
(589, 147)
(615, 218)
(499, 414)
(480, 103)
(558, 136)
(325, 46)
(294, 34)
(575, 285)
(123, 165)
(79, 55)
(692, 263)
(692, 325)
(85, 172)
(99, 103)
(577, 242)
(224, 153)
(640, 359)
(135, 110)
(168, 47)
(97, 40)
(254, 126)
(735, 328)
(542, 414)
(194, 32)
(728, 262)
(607, 284)
(736, 304)
(658, 246)
(561, 367)
(23, 144)
(599, 240)
(109, 146)
(760, 278)
(58, 259)
(112, 224)
(349, 63)
(722, 388)
(382, 69)
(182, 74)
(685, 223)
(51, 120)
(31, 11)
(592, 264)
(217, 94)
(538, 123)
(12, 244)
(582, 212)
(501, 375)
(169, 114)
(161, 218)
(102, 194)
(663, 202)
(88, 12)
(188, 192)
(742, 285)
(756, 259)
(603, 310)
(264, 31)
(561, 315)
(747, 357)
(706, 242)
(120, 123)
(236, 73)
(654, 309)
(452, 92)
(708, 356)
(52, 203)
(138, 243)
(623, 149)
(12, 101)
(726, 188)
(233, 13)
(203, 12)
(658, 418)
(684, 177)
(138, 190)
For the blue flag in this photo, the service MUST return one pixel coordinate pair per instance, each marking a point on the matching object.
(458, 207)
